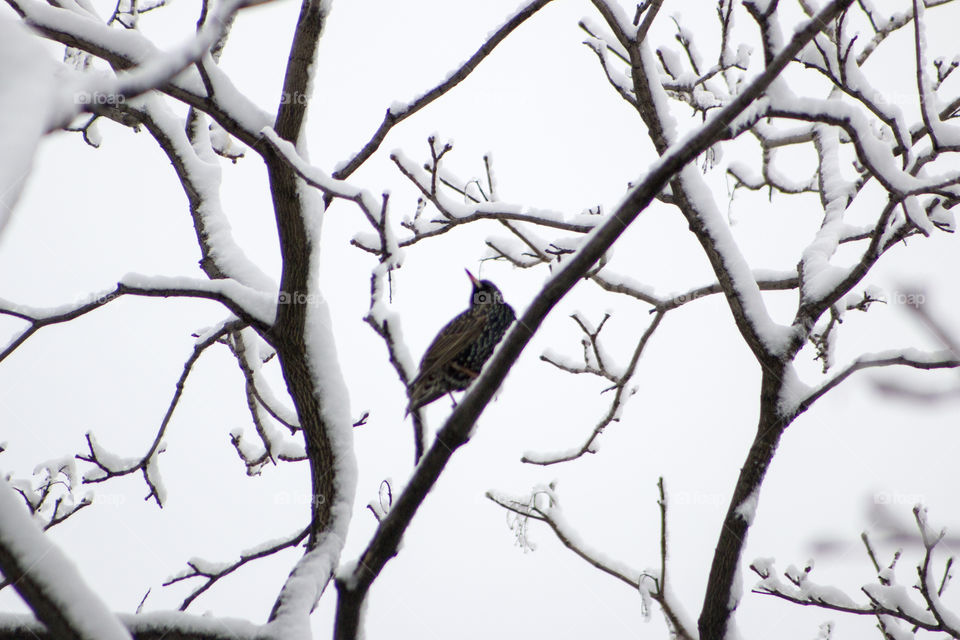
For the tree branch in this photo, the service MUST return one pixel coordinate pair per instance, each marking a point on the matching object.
(352, 588)
(215, 572)
(613, 413)
(47, 581)
(107, 467)
(396, 115)
(544, 506)
(908, 358)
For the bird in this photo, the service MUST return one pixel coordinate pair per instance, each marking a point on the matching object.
(463, 345)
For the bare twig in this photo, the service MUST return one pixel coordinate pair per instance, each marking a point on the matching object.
(456, 431)
(145, 464)
(913, 360)
(885, 600)
(543, 506)
(212, 573)
(395, 115)
(616, 404)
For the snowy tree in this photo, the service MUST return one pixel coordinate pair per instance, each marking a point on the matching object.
(829, 164)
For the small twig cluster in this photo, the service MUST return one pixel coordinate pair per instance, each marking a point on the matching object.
(543, 505)
(898, 614)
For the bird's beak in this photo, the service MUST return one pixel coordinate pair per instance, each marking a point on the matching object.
(473, 280)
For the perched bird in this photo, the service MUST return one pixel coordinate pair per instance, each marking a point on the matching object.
(457, 354)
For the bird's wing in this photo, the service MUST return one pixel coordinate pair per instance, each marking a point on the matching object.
(450, 342)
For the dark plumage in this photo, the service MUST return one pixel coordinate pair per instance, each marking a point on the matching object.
(457, 354)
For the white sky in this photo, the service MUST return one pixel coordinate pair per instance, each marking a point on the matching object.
(561, 139)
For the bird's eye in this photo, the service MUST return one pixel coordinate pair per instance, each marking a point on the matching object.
(482, 298)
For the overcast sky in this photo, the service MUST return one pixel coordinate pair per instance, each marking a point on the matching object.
(561, 139)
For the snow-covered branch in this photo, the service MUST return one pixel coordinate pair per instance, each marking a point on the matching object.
(456, 213)
(47, 581)
(212, 572)
(263, 407)
(399, 112)
(188, 144)
(543, 505)
(54, 498)
(905, 357)
(317, 178)
(145, 626)
(352, 588)
(146, 67)
(128, 49)
(252, 306)
(109, 466)
(387, 324)
(621, 392)
(694, 103)
(890, 602)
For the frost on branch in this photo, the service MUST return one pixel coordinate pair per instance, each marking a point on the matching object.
(52, 495)
(900, 610)
(47, 580)
(880, 174)
(543, 505)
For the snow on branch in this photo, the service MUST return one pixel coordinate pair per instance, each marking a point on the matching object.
(766, 279)
(353, 587)
(54, 498)
(398, 112)
(108, 465)
(597, 364)
(330, 186)
(387, 324)
(913, 358)
(455, 213)
(263, 406)
(47, 580)
(942, 334)
(770, 178)
(34, 100)
(766, 338)
(893, 604)
(620, 24)
(146, 626)
(189, 146)
(157, 71)
(212, 572)
(875, 154)
(473, 202)
(290, 617)
(128, 48)
(543, 505)
(941, 133)
(616, 77)
(90, 91)
(254, 307)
